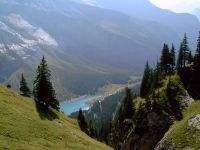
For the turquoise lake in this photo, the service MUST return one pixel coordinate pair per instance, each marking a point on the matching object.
(75, 104)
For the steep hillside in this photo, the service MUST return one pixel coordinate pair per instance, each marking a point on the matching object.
(152, 116)
(184, 134)
(82, 44)
(22, 126)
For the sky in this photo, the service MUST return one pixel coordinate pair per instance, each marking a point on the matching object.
(178, 5)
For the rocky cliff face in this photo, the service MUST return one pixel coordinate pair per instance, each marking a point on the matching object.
(155, 127)
(183, 135)
(164, 144)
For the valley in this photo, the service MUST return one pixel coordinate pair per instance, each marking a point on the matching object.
(99, 75)
(86, 46)
(86, 102)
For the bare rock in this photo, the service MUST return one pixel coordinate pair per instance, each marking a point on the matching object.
(195, 122)
(187, 100)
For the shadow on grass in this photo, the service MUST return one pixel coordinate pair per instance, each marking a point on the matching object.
(46, 113)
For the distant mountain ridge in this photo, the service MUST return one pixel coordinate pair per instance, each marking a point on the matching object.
(85, 46)
(197, 12)
(144, 9)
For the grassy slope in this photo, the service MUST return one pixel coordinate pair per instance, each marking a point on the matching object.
(182, 135)
(22, 127)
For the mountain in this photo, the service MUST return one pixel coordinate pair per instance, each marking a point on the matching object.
(144, 9)
(197, 13)
(22, 126)
(86, 47)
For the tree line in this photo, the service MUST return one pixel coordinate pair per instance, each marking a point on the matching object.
(87, 127)
(169, 63)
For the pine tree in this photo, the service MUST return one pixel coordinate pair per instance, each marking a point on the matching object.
(146, 84)
(180, 60)
(127, 104)
(158, 76)
(82, 122)
(24, 89)
(190, 58)
(185, 49)
(172, 59)
(92, 129)
(165, 59)
(174, 107)
(126, 110)
(197, 56)
(196, 78)
(44, 93)
(123, 119)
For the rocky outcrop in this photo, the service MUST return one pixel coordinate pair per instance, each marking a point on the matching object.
(187, 100)
(155, 126)
(151, 130)
(173, 147)
(195, 122)
(161, 143)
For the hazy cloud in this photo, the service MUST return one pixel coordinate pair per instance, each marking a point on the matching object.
(178, 5)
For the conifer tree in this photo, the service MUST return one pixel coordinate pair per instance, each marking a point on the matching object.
(92, 129)
(158, 76)
(172, 59)
(165, 59)
(127, 104)
(196, 82)
(185, 49)
(180, 60)
(105, 130)
(123, 119)
(190, 57)
(174, 107)
(126, 109)
(82, 122)
(24, 89)
(147, 79)
(44, 93)
(197, 56)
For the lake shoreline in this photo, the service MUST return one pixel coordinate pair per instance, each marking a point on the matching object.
(86, 101)
(82, 102)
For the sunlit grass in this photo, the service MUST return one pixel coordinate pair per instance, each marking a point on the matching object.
(182, 135)
(23, 127)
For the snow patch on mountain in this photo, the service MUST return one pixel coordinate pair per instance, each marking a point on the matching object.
(25, 36)
(7, 48)
(17, 48)
(41, 36)
(3, 50)
(4, 27)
